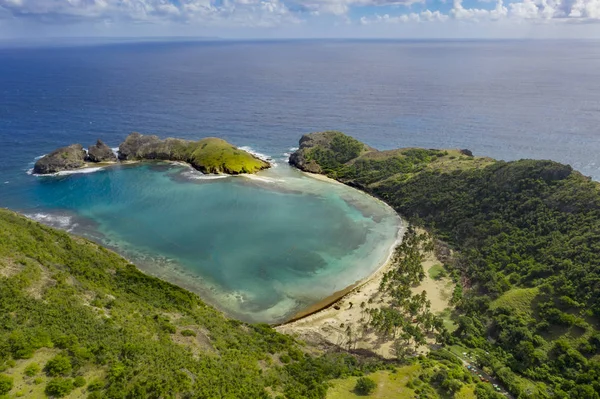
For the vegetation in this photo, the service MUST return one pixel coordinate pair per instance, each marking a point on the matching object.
(525, 237)
(59, 387)
(32, 369)
(87, 314)
(365, 386)
(6, 384)
(208, 155)
(437, 272)
(404, 318)
(60, 365)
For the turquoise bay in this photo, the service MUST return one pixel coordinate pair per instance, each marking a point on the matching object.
(260, 248)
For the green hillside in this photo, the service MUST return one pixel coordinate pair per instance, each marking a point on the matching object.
(79, 320)
(526, 236)
(208, 155)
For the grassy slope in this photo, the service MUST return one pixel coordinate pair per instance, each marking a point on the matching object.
(209, 155)
(520, 300)
(213, 154)
(63, 294)
(413, 381)
(390, 385)
(522, 228)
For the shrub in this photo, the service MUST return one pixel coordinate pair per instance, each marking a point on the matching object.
(78, 382)
(295, 354)
(59, 387)
(59, 365)
(188, 333)
(168, 327)
(6, 384)
(32, 369)
(285, 358)
(96, 385)
(365, 386)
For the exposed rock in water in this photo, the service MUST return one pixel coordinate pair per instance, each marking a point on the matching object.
(299, 160)
(137, 146)
(65, 158)
(100, 152)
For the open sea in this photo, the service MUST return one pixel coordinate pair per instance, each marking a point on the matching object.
(263, 248)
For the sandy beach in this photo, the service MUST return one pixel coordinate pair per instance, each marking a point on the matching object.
(333, 299)
(337, 320)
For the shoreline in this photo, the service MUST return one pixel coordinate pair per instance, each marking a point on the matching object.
(330, 301)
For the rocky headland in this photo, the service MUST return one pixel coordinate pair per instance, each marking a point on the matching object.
(64, 158)
(209, 155)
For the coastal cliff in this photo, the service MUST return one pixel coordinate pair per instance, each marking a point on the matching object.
(521, 240)
(322, 151)
(64, 158)
(208, 155)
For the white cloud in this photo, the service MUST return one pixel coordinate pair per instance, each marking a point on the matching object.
(286, 13)
(585, 9)
(205, 12)
(476, 14)
(424, 16)
(525, 10)
(340, 7)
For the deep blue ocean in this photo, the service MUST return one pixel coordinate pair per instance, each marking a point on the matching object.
(257, 247)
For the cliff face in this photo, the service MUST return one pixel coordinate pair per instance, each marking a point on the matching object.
(65, 158)
(100, 152)
(209, 155)
(319, 152)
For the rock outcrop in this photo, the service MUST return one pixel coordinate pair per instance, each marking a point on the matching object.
(65, 158)
(137, 146)
(326, 148)
(208, 155)
(100, 152)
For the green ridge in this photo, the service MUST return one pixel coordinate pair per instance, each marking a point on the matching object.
(70, 308)
(526, 236)
(208, 155)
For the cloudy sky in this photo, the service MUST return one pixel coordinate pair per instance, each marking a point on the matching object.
(301, 18)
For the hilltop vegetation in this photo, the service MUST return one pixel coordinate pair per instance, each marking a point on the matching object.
(526, 241)
(208, 155)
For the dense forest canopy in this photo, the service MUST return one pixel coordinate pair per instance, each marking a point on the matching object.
(526, 236)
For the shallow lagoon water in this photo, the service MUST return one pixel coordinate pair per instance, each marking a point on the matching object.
(260, 248)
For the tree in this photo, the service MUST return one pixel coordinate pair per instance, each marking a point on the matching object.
(59, 365)
(365, 386)
(6, 384)
(59, 387)
(584, 392)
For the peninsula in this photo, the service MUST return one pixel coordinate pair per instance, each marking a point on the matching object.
(209, 155)
(516, 244)
(521, 242)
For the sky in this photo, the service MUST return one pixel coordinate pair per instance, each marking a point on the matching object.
(558, 19)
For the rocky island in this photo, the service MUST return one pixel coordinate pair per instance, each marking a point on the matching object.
(208, 155)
